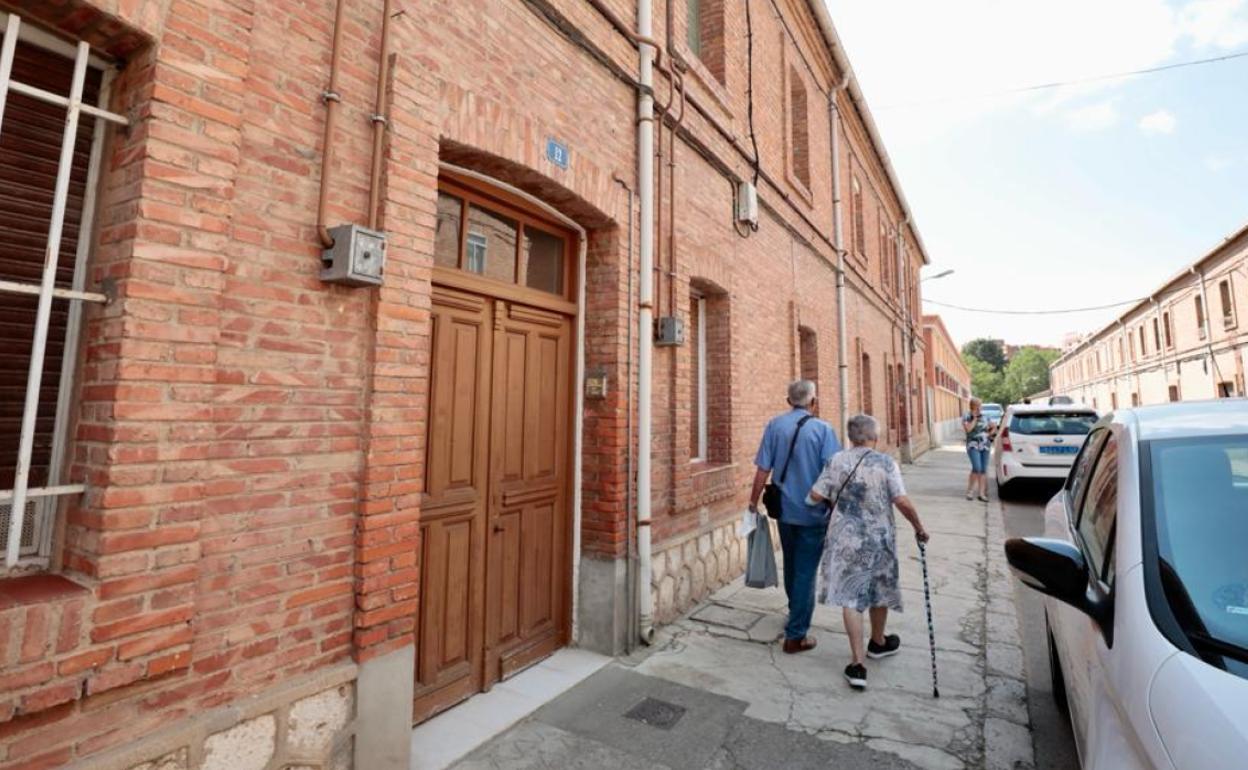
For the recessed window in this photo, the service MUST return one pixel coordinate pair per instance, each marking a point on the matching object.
(808, 344)
(1165, 323)
(1200, 317)
(1143, 346)
(704, 33)
(1228, 303)
(799, 129)
(697, 382)
(710, 380)
(858, 217)
(865, 385)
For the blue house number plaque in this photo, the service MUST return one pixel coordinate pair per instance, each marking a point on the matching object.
(557, 153)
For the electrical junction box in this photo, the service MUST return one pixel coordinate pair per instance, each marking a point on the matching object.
(357, 257)
(669, 332)
(747, 203)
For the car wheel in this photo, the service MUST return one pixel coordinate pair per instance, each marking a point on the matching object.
(1055, 672)
(1003, 490)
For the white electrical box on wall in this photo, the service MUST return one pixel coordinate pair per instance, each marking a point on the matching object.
(747, 203)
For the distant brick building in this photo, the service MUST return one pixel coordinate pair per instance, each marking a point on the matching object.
(1184, 343)
(948, 381)
(265, 515)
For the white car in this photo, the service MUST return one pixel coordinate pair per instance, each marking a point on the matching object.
(992, 413)
(1038, 442)
(1145, 570)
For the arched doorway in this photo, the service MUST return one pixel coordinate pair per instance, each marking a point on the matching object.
(496, 524)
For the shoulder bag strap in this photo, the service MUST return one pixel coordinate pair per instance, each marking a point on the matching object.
(793, 443)
(848, 479)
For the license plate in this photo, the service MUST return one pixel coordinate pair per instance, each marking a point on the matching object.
(1059, 450)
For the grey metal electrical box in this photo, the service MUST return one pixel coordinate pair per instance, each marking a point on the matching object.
(669, 331)
(357, 257)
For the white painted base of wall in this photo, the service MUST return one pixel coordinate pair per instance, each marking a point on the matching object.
(450, 736)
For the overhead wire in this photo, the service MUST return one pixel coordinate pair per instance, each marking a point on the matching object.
(1072, 82)
(1034, 312)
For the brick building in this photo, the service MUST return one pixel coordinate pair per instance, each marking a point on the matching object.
(268, 515)
(1183, 343)
(948, 381)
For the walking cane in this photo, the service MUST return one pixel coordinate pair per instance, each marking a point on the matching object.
(927, 601)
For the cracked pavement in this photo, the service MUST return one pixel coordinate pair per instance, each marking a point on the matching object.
(749, 705)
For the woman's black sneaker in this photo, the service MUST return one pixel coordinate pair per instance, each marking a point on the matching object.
(856, 675)
(892, 643)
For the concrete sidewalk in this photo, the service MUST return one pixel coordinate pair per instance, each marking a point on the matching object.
(716, 692)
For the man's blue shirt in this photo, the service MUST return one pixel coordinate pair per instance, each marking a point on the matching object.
(815, 446)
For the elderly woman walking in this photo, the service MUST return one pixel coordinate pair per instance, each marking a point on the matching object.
(859, 568)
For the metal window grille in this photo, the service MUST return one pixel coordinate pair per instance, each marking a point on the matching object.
(26, 512)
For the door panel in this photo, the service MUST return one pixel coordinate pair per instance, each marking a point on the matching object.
(495, 521)
(528, 560)
(452, 582)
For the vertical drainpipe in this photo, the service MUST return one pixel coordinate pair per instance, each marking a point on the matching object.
(838, 237)
(645, 315)
(907, 446)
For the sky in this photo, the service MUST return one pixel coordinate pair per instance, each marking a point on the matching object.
(1059, 198)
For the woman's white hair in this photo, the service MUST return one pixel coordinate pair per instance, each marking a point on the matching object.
(862, 428)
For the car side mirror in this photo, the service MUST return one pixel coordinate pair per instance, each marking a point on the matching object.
(1057, 568)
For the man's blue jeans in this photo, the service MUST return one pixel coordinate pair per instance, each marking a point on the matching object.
(802, 548)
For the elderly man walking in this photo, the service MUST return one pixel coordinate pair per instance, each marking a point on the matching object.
(795, 447)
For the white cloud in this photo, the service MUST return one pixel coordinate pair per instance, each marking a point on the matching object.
(1092, 117)
(950, 62)
(1158, 122)
(1218, 163)
(1215, 23)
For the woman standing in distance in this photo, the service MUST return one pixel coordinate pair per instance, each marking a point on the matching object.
(978, 445)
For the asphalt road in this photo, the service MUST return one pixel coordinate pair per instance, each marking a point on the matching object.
(1051, 733)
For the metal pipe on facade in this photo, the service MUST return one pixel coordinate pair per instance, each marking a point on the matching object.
(630, 562)
(380, 109)
(332, 99)
(838, 239)
(645, 319)
(907, 341)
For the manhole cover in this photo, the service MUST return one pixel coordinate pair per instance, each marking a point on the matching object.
(656, 713)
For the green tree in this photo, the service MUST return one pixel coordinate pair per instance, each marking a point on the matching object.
(987, 384)
(988, 351)
(1027, 373)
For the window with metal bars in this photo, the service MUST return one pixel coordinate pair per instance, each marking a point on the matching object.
(53, 118)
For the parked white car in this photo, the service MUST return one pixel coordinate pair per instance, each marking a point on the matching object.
(992, 413)
(1145, 568)
(1038, 442)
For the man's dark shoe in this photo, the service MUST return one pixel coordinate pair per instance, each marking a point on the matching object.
(856, 675)
(892, 643)
(799, 645)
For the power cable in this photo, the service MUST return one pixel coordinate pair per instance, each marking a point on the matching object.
(1074, 82)
(1034, 312)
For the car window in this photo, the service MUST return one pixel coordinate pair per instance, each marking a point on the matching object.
(1200, 504)
(1100, 508)
(1052, 423)
(1083, 465)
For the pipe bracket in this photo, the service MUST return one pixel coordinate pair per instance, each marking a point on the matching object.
(331, 96)
(379, 119)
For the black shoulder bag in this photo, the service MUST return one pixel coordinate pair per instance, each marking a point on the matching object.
(771, 493)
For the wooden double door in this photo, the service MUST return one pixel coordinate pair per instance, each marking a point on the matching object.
(495, 519)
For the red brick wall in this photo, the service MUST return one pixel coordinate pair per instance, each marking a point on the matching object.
(253, 439)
